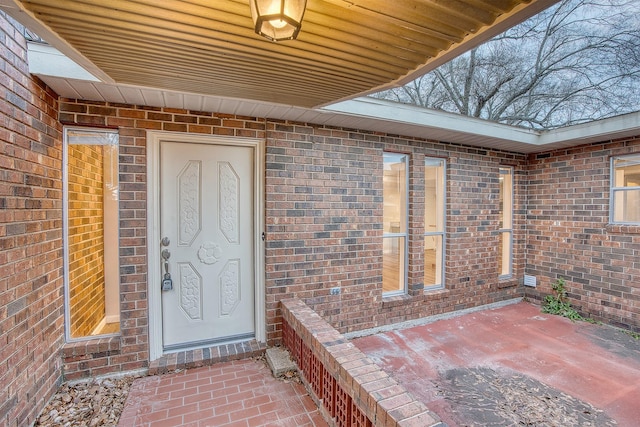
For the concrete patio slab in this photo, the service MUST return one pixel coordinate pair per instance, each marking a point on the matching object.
(515, 365)
(240, 393)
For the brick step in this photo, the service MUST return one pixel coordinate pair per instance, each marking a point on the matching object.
(206, 356)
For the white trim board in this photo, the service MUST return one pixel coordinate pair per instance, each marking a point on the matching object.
(362, 113)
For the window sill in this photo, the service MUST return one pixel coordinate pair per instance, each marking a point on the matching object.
(397, 300)
(507, 281)
(423, 295)
(623, 228)
(436, 293)
(91, 346)
(511, 283)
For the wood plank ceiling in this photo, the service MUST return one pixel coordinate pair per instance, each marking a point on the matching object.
(346, 48)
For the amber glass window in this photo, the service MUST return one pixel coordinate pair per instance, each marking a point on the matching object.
(91, 233)
(434, 222)
(625, 190)
(395, 223)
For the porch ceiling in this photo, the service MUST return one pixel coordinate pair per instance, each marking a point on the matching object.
(346, 47)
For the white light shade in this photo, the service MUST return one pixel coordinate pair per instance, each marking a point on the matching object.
(278, 19)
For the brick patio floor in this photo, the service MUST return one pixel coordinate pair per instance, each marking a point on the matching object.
(241, 393)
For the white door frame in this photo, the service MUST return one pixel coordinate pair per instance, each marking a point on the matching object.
(154, 277)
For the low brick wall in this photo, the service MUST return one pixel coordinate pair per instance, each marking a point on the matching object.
(350, 388)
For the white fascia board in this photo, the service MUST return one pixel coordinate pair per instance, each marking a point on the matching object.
(622, 126)
(48, 61)
(414, 115)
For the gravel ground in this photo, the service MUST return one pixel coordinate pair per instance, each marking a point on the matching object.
(87, 404)
(98, 402)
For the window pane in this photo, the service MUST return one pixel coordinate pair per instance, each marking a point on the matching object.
(393, 268)
(433, 261)
(626, 205)
(434, 221)
(627, 171)
(504, 254)
(395, 193)
(506, 222)
(625, 189)
(92, 233)
(434, 195)
(506, 197)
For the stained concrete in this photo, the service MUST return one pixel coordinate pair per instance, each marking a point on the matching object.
(468, 369)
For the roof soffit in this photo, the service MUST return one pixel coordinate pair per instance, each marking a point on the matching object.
(345, 48)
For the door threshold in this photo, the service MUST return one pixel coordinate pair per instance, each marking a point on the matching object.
(233, 339)
(194, 358)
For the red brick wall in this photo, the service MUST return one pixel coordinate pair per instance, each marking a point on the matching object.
(324, 225)
(323, 220)
(31, 298)
(86, 238)
(569, 235)
(130, 351)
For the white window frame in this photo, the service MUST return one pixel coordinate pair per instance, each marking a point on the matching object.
(91, 136)
(432, 161)
(633, 159)
(506, 232)
(404, 272)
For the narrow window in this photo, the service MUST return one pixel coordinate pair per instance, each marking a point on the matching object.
(91, 233)
(395, 224)
(506, 222)
(625, 190)
(434, 222)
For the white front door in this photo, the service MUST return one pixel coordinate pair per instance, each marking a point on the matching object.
(207, 218)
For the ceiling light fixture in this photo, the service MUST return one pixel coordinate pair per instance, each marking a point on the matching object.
(278, 19)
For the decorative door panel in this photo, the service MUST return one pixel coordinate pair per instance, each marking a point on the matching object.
(189, 207)
(207, 215)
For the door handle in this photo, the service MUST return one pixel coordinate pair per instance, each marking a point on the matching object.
(167, 283)
(165, 241)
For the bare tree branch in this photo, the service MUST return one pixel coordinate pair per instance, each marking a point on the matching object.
(575, 62)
